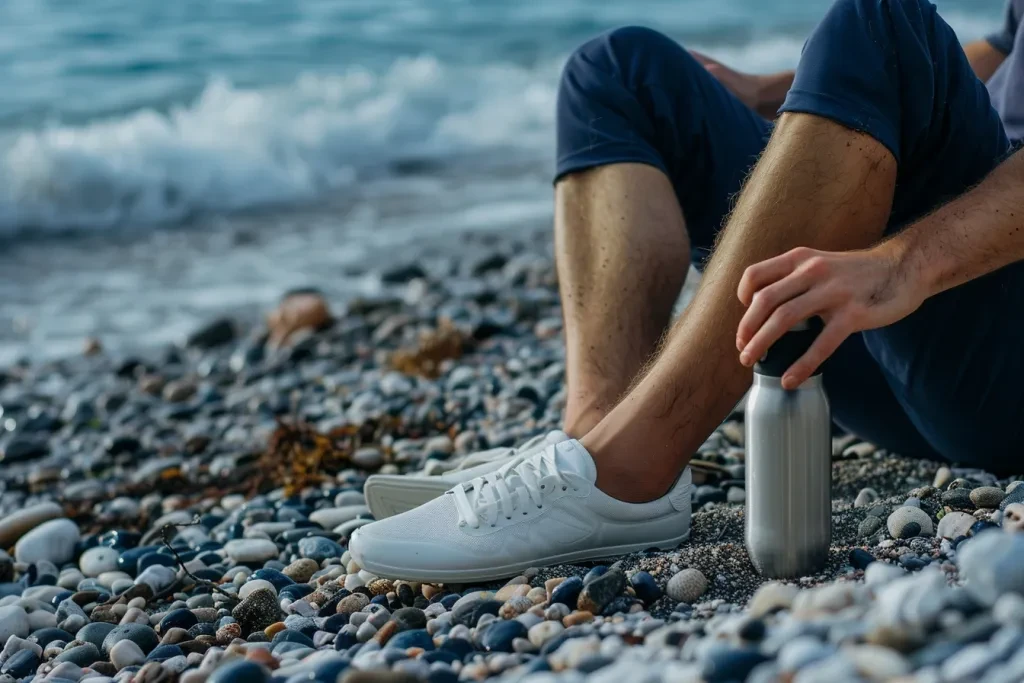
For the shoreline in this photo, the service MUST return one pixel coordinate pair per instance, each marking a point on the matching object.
(126, 445)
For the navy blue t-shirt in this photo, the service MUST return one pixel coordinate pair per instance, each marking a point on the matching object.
(1005, 86)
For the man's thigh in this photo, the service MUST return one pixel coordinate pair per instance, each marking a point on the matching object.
(635, 95)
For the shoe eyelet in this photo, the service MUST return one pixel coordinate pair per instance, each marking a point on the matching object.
(542, 486)
(493, 525)
(525, 513)
(564, 488)
(540, 507)
(508, 518)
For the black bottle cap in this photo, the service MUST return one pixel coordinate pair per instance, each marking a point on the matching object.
(788, 349)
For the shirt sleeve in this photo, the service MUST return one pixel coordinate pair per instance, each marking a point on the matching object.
(1002, 39)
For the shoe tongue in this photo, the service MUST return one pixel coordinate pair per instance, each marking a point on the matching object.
(571, 456)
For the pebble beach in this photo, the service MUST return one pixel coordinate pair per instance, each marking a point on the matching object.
(183, 515)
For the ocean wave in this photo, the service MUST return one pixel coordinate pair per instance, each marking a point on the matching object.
(239, 149)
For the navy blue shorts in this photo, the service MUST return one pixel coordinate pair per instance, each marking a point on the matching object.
(946, 382)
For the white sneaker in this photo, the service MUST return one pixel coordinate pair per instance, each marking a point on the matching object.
(535, 510)
(391, 494)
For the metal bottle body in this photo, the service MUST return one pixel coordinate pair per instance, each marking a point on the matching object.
(789, 477)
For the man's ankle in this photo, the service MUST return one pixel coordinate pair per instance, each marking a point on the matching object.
(621, 474)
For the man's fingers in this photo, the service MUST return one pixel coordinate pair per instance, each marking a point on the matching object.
(762, 274)
(779, 322)
(824, 345)
(765, 301)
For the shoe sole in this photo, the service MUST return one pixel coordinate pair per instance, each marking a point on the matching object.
(387, 496)
(505, 571)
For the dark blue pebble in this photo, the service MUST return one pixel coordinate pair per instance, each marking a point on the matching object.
(861, 558)
(645, 587)
(239, 671)
(499, 635)
(592, 663)
(236, 531)
(344, 641)
(753, 630)
(162, 652)
(568, 592)
(44, 580)
(330, 670)
(727, 665)
(442, 676)
(179, 618)
(935, 654)
(912, 563)
(318, 548)
(128, 562)
(293, 535)
(1014, 496)
(210, 547)
(140, 634)
(120, 539)
(449, 600)
(440, 656)
(295, 591)
(459, 646)
(209, 558)
(484, 607)
(414, 638)
(334, 623)
(80, 655)
(205, 629)
(538, 665)
(94, 633)
(208, 574)
(381, 600)
(621, 604)
(60, 597)
(274, 577)
(45, 636)
(291, 636)
(210, 520)
(595, 573)
(11, 589)
(980, 526)
(22, 664)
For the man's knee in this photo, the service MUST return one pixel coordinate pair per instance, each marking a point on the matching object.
(633, 56)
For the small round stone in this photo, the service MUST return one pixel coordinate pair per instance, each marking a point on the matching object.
(987, 496)
(687, 585)
(908, 522)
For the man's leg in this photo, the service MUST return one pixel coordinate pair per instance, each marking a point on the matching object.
(645, 136)
(884, 104)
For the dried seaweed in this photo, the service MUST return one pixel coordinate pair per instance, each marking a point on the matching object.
(446, 342)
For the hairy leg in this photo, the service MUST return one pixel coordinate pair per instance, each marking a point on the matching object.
(622, 254)
(818, 184)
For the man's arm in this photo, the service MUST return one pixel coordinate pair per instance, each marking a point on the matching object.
(973, 235)
(978, 232)
(763, 93)
(984, 58)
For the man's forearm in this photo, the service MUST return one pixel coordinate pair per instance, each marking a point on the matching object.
(772, 89)
(973, 235)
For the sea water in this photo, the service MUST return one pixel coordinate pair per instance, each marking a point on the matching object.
(161, 162)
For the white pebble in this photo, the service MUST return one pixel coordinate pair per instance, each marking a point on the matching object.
(687, 586)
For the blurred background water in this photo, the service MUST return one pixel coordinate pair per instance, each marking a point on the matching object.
(162, 162)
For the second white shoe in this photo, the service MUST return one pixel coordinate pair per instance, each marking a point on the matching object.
(391, 494)
(538, 510)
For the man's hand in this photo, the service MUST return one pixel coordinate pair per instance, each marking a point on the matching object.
(850, 291)
(762, 93)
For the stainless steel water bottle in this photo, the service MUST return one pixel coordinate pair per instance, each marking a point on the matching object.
(789, 464)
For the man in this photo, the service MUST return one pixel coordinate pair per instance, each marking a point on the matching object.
(885, 201)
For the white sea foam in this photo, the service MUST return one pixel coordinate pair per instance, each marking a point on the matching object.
(234, 149)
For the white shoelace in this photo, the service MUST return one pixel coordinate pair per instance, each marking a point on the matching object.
(508, 490)
(493, 454)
